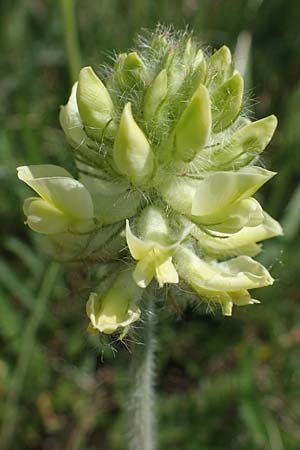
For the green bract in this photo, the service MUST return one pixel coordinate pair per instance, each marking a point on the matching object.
(167, 163)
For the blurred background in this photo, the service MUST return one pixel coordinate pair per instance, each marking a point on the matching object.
(222, 383)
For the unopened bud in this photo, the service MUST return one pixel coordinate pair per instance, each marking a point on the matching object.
(155, 95)
(132, 152)
(227, 103)
(117, 308)
(95, 104)
(219, 67)
(194, 126)
(70, 121)
(248, 142)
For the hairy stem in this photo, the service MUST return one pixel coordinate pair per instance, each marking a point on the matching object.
(142, 395)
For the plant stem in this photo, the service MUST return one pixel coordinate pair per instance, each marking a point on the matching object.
(71, 38)
(26, 347)
(142, 394)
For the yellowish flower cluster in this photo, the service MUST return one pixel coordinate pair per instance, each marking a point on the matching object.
(167, 172)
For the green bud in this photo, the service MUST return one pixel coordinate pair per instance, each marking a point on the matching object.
(194, 126)
(176, 73)
(134, 70)
(155, 95)
(133, 62)
(199, 71)
(199, 58)
(132, 152)
(119, 64)
(248, 142)
(95, 104)
(227, 102)
(219, 67)
(159, 43)
(189, 53)
(116, 77)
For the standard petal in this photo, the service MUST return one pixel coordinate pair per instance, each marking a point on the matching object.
(137, 247)
(30, 173)
(222, 189)
(55, 185)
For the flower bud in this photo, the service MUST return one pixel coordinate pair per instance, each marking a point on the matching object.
(222, 189)
(65, 204)
(132, 152)
(227, 102)
(116, 309)
(71, 123)
(219, 67)
(134, 69)
(95, 104)
(198, 74)
(129, 71)
(155, 95)
(247, 142)
(189, 52)
(194, 126)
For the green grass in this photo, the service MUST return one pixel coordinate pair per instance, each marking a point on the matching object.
(222, 383)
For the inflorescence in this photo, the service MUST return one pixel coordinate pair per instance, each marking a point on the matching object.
(167, 167)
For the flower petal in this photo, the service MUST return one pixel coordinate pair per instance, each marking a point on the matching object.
(117, 307)
(166, 272)
(44, 218)
(238, 274)
(137, 247)
(71, 123)
(144, 271)
(56, 186)
(222, 189)
(247, 212)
